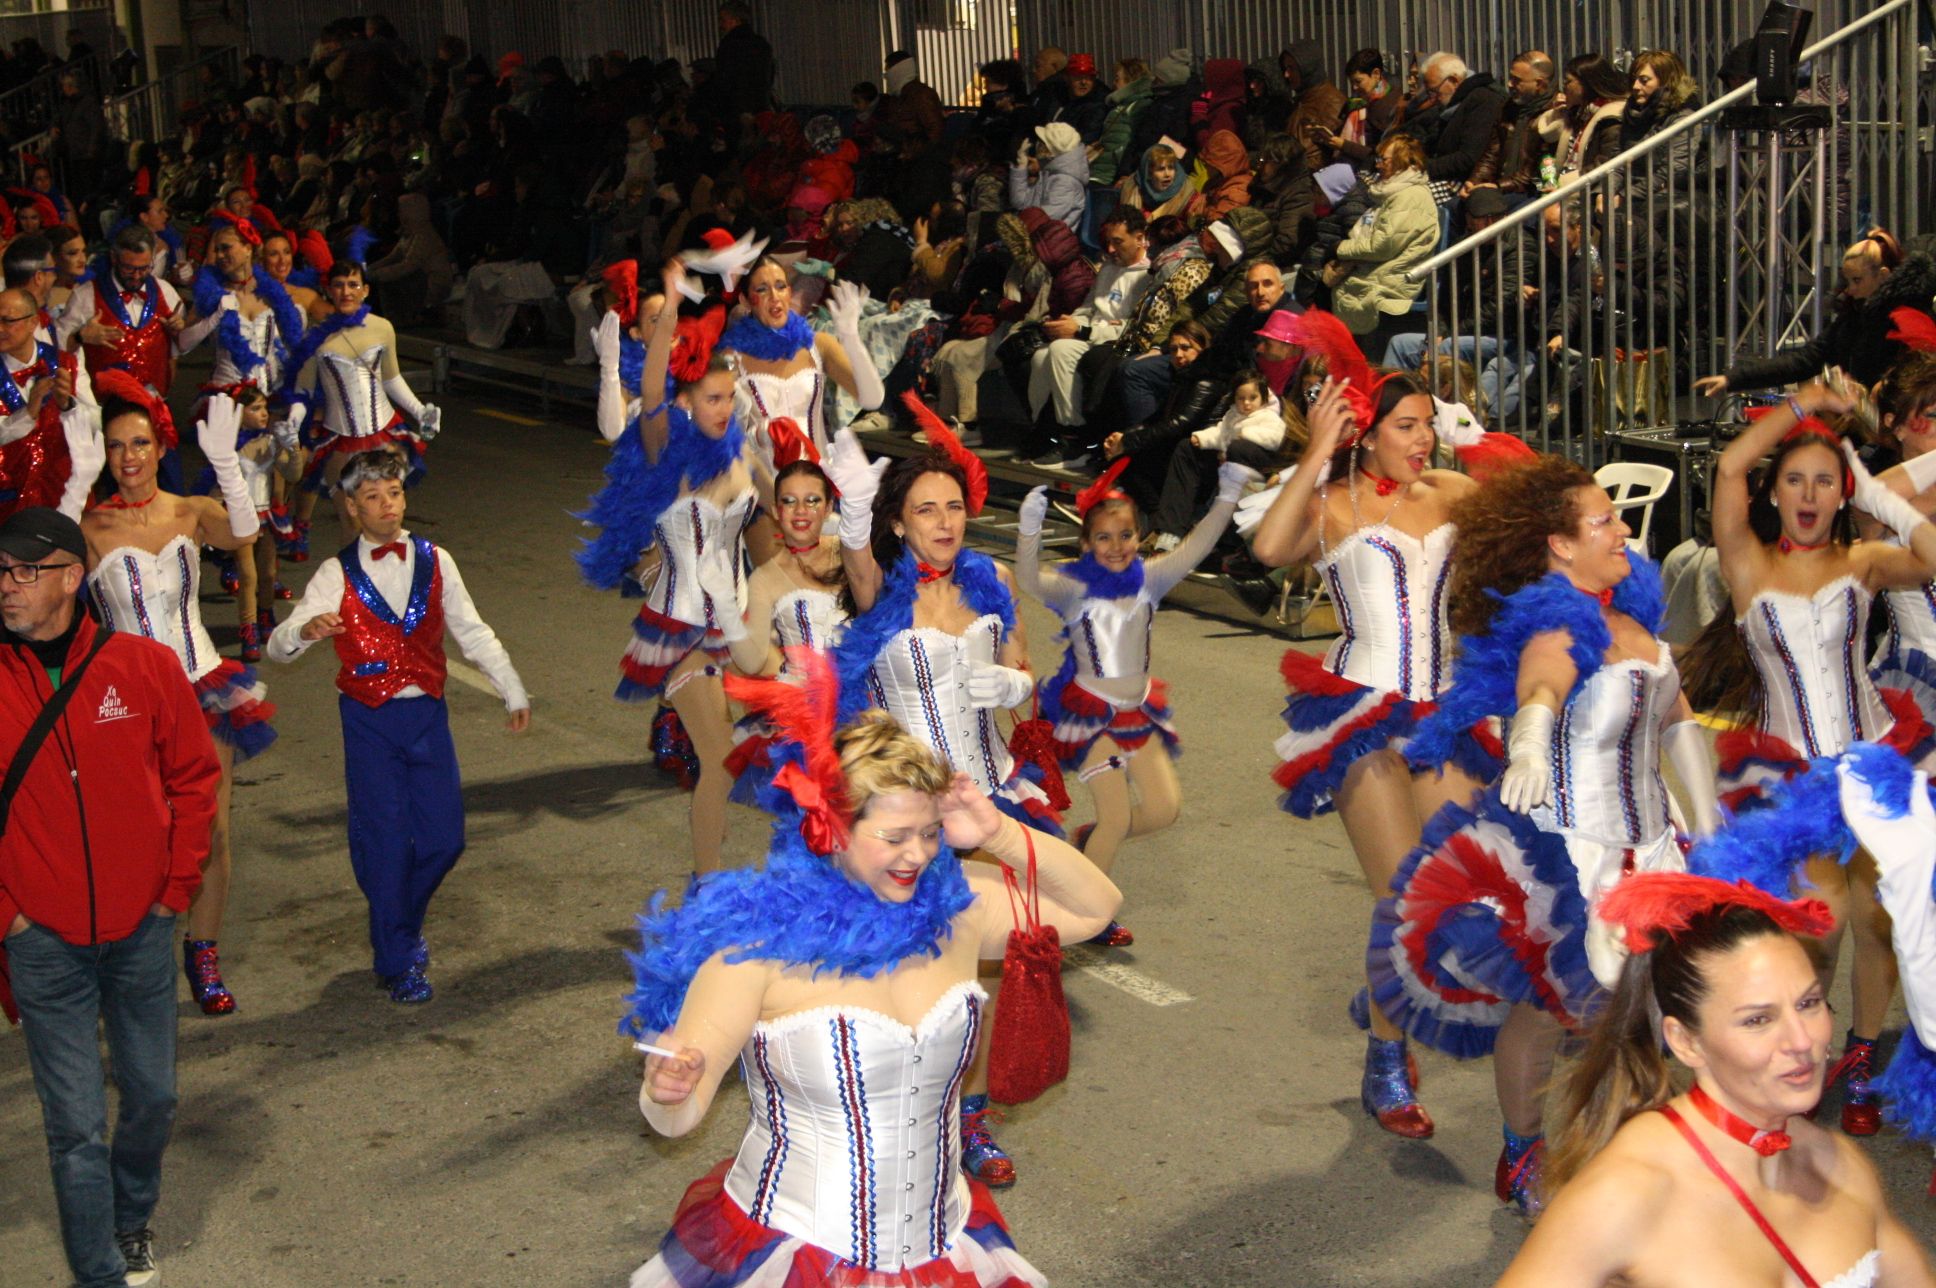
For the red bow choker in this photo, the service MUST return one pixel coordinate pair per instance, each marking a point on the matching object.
(928, 572)
(388, 548)
(120, 503)
(1383, 486)
(1604, 596)
(796, 551)
(1788, 547)
(1765, 1143)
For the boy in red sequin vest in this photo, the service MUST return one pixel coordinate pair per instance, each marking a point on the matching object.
(387, 600)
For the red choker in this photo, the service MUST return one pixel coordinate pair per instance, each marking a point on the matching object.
(1765, 1143)
(117, 503)
(1383, 486)
(1604, 596)
(1788, 547)
(799, 550)
(928, 572)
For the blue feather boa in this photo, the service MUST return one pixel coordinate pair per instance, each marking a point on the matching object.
(313, 339)
(208, 290)
(631, 365)
(637, 491)
(799, 910)
(756, 339)
(1485, 675)
(357, 248)
(867, 635)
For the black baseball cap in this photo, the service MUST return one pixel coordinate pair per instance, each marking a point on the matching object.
(33, 534)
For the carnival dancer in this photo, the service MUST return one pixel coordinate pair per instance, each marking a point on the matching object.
(71, 271)
(1729, 1182)
(1789, 661)
(1905, 658)
(50, 433)
(833, 975)
(1110, 715)
(679, 490)
(263, 461)
(938, 645)
(144, 573)
(1482, 945)
(386, 600)
(1387, 566)
(278, 257)
(343, 383)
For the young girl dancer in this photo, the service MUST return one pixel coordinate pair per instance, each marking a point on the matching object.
(1790, 660)
(1905, 659)
(1363, 508)
(1111, 717)
(144, 571)
(1482, 946)
(680, 481)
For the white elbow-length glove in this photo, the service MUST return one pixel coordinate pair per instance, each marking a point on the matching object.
(845, 304)
(996, 687)
(1528, 781)
(1035, 508)
(1878, 502)
(1232, 479)
(87, 453)
(857, 480)
(220, 426)
(1252, 509)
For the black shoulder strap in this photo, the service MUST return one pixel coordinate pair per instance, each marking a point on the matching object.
(23, 756)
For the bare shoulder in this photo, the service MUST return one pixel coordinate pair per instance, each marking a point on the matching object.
(1450, 484)
(1624, 1189)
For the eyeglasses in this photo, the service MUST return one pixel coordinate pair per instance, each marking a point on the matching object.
(26, 574)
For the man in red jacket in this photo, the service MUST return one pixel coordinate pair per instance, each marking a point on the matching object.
(101, 850)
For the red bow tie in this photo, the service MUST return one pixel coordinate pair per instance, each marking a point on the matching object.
(928, 572)
(1383, 486)
(393, 548)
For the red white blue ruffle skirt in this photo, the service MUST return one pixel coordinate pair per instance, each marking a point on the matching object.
(660, 643)
(714, 1244)
(1487, 914)
(237, 707)
(1913, 672)
(1081, 717)
(1023, 799)
(1751, 761)
(323, 444)
(1333, 722)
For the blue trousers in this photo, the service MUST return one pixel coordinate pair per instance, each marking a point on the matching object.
(406, 815)
(65, 992)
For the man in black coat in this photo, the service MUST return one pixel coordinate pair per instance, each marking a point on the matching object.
(743, 70)
(1470, 106)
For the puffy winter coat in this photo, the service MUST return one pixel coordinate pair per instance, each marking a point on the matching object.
(1126, 107)
(1855, 339)
(1402, 233)
(1060, 188)
(1071, 279)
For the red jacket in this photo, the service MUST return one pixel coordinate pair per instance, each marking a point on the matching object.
(145, 788)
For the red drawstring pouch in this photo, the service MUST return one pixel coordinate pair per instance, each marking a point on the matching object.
(1029, 1049)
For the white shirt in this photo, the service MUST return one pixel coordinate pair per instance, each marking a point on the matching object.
(21, 423)
(391, 577)
(1116, 294)
(80, 308)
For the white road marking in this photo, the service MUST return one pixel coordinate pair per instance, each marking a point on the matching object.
(1116, 975)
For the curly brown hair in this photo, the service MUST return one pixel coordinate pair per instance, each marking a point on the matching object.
(1503, 528)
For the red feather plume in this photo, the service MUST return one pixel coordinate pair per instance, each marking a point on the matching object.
(1316, 331)
(114, 383)
(314, 248)
(803, 710)
(622, 280)
(1103, 488)
(939, 435)
(790, 443)
(693, 350)
(1654, 906)
(1914, 328)
(244, 229)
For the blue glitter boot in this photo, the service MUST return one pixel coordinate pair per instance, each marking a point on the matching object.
(1387, 1093)
(981, 1157)
(1516, 1178)
(1359, 1009)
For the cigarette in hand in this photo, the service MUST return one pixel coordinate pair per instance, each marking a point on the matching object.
(646, 1048)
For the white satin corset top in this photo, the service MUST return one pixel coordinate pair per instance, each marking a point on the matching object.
(1606, 753)
(921, 679)
(1389, 589)
(1816, 694)
(1111, 638)
(695, 534)
(157, 596)
(353, 399)
(809, 618)
(853, 1135)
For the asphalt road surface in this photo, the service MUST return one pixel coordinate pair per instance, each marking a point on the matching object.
(1209, 1132)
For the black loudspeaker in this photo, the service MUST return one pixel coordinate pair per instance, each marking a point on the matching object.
(1778, 43)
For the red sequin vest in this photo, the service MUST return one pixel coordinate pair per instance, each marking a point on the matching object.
(148, 354)
(381, 653)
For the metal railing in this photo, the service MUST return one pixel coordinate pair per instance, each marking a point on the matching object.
(147, 112)
(1588, 312)
(28, 108)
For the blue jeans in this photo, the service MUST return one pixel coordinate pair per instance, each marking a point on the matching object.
(1500, 372)
(64, 991)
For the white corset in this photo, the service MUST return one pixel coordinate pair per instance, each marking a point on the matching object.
(809, 618)
(853, 1134)
(1111, 639)
(1389, 588)
(354, 404)
(691, 534)
(259, 334)
(1606, 753)
(1816, 694)
(1912, 621)
(156, 596)
(760, 396)
(921, 679)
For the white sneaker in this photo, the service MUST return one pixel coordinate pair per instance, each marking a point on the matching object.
(138, 1250)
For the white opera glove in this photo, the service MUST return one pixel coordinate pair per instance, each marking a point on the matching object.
(605, 339)
(1232, 479)
(857, 480)
(1904, 848)
(1252, 509)
(1528, 781)
(1606, 950)
(288, 430)
(1878, 502)
(1687, 751)
(1035, 508)
(1921, 471)
(845, 304)
(403, 397)
(717, 585)
(216, 433)
(430, 419)
(87, 453)
(993, 687)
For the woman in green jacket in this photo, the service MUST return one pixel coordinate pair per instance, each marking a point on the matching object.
(1370, 292)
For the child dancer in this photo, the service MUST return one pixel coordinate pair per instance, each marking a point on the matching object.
(386, 599)
(1103, 702)
(261, 459)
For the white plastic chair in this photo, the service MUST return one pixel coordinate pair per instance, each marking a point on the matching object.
(1635, 485)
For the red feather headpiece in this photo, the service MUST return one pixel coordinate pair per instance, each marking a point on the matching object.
(314, 248)
(1914, 328)
(1103, 489)
(790, 443)
(1316, 331)
(1806, 427)
(802, 708)
(114, 383)
(692, 351)
(1652, 907)
(943, 438)
(244, 229)
(622, 280)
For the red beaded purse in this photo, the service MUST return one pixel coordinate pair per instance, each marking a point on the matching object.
(1029, 1049)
